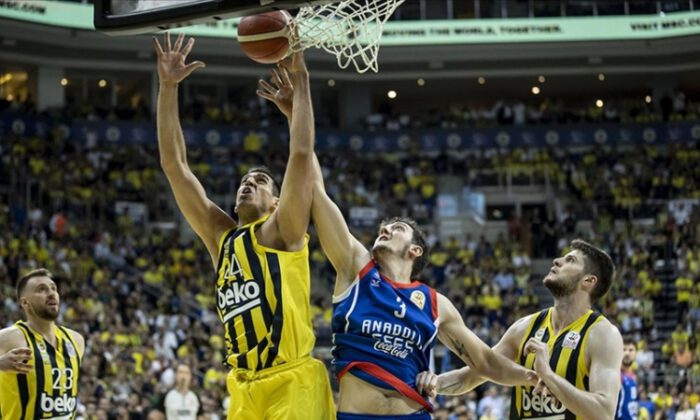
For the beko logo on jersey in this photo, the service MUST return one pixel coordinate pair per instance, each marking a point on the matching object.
(61, 404)
(542, 405)
(238, 297)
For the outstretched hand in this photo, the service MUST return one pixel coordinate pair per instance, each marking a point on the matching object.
(279, 90)
(171, 59)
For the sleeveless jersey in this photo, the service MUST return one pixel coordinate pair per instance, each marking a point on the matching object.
(627, 403)
(263, 301)
(567, 351)
(50, 390)
(383, 331)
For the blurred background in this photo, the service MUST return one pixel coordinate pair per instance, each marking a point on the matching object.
(506, 128)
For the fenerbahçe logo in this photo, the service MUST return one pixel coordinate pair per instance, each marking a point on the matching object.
(237, 297)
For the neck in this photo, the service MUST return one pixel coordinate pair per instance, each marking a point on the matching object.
(568, 309)
(182, 389)
(246, 217)
(394, 267)
(43, 327)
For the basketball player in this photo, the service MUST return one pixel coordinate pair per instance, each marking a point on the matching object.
(261, 260)
(628, 401)
(384, 323)
(39, 360)
(575, 351)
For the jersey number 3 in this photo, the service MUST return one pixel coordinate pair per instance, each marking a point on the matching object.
(402, 312)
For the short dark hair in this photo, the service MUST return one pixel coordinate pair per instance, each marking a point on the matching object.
(418, 238)
(265, 170)
(629, 341)
(598, 263)
(22, 283)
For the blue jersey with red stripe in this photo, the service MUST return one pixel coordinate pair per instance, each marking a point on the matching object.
(388, 327)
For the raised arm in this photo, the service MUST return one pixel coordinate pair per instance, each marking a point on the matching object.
(206, 218)
(604, 350)
(479, 357)
(463, 380)
(345, 252)
(291, 219)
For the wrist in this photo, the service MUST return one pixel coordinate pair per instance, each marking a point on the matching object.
(168, 85)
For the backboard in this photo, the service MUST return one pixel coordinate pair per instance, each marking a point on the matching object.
(131, 17)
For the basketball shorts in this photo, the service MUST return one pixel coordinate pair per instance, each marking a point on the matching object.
(297, 390)
(422, 415)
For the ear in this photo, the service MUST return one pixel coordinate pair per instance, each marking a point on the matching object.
(415, 251)
(590, 281)
(275, 203)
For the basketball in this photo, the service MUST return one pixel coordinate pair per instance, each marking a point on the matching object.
(265, 37)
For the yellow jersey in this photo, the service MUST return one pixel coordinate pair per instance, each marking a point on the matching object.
(50, 390)
(567, 349)
(263, 299)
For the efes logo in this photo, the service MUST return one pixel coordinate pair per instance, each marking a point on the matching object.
(539, 334)
(571, 340)
(418, 298)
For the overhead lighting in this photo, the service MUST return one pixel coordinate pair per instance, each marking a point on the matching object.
(535, 90)
(481, 80)
(541, 79)
(331, 82)
(391, 94)
(102, 83)
(599, 103)
(421, 82)
(64, 82)
(647, 99)
(601, 76)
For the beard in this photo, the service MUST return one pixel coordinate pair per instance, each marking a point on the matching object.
(561, 288)
(627, 362)
(45, 313)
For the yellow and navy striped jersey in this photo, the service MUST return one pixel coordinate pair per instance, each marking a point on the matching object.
(567, 349)
(263, 301)
(50, 390)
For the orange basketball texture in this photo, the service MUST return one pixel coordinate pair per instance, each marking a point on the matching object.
(264, 37)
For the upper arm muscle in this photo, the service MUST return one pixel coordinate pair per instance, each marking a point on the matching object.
(207, 219)
(605, 352)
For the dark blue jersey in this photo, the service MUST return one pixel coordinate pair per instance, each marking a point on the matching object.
(627, 402)
(384, 331)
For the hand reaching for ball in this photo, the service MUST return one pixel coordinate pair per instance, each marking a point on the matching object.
(171, 59)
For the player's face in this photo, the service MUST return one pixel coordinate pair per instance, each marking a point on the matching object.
(256, 190)
(629, 354)
(394, 237)
(41, 298)
(566, 272)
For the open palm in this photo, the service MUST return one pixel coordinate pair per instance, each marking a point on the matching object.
(171, 59)
(280, 90)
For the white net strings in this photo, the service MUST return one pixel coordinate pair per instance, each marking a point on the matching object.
(350, 29)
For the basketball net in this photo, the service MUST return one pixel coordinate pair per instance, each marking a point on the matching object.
(350, 30)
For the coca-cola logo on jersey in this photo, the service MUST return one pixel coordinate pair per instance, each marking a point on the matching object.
(391, 349)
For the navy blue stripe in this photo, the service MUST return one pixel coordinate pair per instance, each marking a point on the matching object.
(273, 264)
(571, 370)
(75, 347)
(23, 393)
(69, 364)
(258, 276)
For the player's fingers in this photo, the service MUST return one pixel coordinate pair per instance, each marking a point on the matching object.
(188, 47)
(167, 42)
(156, 45)
(178, 42)
(265, 95)
(538, 389)
(194, 66)
(276, 79)
(432, 386)
(285, 76)
(22, 350)
(266, 87)
(419, 382)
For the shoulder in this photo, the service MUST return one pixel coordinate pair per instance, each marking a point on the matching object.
(78, 339)
(604, 341)
(522, 324)
(11, 337)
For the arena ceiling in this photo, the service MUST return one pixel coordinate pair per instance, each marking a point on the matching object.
(570, 68)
